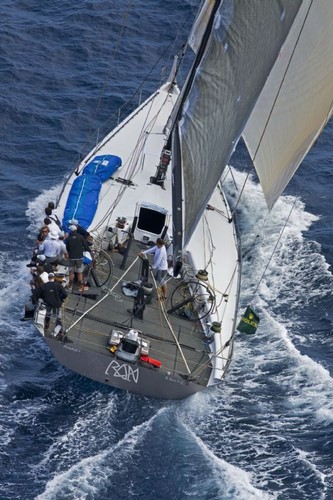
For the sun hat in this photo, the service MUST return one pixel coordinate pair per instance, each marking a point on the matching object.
(54, 235)
(72, 227)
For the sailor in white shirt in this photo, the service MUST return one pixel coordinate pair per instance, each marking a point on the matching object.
(53, 227)
(50, 246)
(160, 264)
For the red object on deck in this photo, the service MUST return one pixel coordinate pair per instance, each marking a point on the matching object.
(151, 361)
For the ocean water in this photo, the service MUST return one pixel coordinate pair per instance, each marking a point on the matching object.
(267, 431)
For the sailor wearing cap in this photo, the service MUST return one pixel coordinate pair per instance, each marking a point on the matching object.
(50, 247)
(80, 229)
(76, 244)
(53, 294)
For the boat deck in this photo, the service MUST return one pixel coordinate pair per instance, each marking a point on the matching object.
(176, 342)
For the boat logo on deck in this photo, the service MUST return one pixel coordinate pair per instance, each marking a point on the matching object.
(123, 371)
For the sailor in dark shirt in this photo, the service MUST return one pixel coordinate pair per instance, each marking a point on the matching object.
(76, 244)
(52, 215)
(80, 229)
(53, 294)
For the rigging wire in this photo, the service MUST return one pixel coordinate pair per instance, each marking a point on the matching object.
(229, 171)
(126, 104)
(133, 165)
(240, 194)
(274, 249)
(139, 88)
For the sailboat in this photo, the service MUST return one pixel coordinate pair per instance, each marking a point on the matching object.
(156, 176)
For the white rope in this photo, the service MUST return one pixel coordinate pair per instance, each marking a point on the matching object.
(103, 298)
(170, 327)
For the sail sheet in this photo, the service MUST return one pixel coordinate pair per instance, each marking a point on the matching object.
(240, 50)
(296, 101)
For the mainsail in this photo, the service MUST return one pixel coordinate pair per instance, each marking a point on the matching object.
(296, 102)
(237, 52)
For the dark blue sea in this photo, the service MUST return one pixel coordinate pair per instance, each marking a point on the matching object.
(267, 431)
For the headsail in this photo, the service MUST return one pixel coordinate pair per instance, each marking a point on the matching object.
(237, 52)
(296, 101)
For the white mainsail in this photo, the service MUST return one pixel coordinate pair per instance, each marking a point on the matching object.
(237, 53)
(296, 102)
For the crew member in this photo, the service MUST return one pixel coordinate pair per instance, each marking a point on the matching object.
(53, 294)
(160, 264)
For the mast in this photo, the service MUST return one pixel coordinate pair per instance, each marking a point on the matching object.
(174, 140)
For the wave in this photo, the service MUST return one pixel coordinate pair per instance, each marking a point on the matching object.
(273, 391)
(89, 475)
(230, 480)
(295, 270)
(279, 390)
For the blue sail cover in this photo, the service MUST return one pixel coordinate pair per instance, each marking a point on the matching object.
(103, 166)
(83, 197)
(82, 201)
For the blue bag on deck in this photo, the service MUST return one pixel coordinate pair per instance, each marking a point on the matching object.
(82, 201)
(103, 166)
